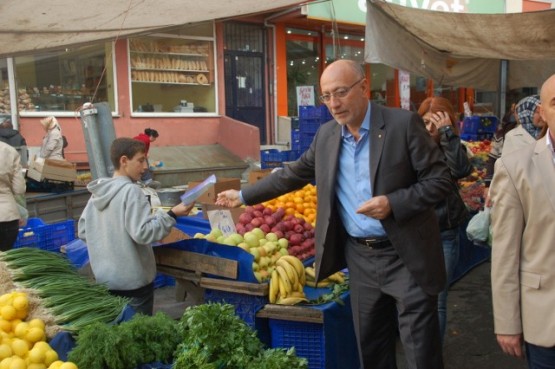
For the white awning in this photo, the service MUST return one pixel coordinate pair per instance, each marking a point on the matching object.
(457, 49)
(29, 25)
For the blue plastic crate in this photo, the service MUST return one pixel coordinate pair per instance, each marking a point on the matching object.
(26, 238)
(274, 158)
(325, 114)
(309, 125)
(307, 338)
(309, 112)
(476, 136)
(246, 307)
(51, 236)
(478, 125)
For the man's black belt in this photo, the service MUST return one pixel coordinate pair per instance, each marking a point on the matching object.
(373, 243)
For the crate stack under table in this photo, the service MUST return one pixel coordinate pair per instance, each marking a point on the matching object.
(210, 272)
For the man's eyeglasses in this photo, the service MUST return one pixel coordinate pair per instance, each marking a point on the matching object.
(339, 93)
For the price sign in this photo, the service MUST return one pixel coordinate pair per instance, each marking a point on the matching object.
(222, 220)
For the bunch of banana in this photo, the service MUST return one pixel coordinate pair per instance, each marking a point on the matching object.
(337, 277)
(287, 281)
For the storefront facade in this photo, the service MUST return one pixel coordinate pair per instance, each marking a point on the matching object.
(195, 84)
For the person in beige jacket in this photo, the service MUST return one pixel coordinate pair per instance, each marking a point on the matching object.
(53, 143)
(12, 183)
(523, 247)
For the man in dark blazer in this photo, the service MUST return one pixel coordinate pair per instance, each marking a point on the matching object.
(378, 175)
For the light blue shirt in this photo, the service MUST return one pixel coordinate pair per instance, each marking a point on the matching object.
(353, 185)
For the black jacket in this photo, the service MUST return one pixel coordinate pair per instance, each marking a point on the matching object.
(452, 211)
(12, 137)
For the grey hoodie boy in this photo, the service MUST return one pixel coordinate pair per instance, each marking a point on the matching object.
(118, 228)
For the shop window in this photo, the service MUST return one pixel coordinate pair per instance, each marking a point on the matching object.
(303, 64)
(4, 88)
(382, 78)
(174, 73)
(64, 81)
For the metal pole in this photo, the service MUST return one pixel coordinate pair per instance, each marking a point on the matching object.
(503, 71)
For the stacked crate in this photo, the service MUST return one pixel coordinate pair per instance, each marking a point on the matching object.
(478, 128)
(310, 119)
(49, 237)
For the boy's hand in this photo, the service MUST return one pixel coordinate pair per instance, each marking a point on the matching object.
(182, 209)
(229, 198)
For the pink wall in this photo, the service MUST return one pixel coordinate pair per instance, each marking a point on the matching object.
(240, 138)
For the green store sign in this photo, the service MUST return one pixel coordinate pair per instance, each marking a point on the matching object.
(354, 11)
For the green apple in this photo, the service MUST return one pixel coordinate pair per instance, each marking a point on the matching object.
(255, 252)
(283, 251)
(244, 246)
(258, 232)
(251, 239)
(272, 237)
(198, 235)
(283, 243)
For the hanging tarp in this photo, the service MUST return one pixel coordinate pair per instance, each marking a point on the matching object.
(460, 49)
(30, 25)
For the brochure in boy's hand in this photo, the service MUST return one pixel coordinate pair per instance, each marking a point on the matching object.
(194, 193)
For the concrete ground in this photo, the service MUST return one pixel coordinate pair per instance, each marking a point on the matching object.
(470, 342)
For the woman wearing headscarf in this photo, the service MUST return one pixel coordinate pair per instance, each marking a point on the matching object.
(529, 126)
(53, 143)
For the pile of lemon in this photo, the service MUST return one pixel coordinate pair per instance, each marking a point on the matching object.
(23, 343)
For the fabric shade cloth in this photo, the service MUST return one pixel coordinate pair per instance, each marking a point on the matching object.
(461, 49)
(28, 26)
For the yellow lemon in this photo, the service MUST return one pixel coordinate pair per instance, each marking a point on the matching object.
(39, 323)
(21, 329)
(5, 325)
(55, 365)
(5, 363)
(34, 334)
(17, 363)
(36, 356)
(6, 299)
(20, 347)
(15, 322)
(43, 346)
(20, 302)
(8, 312)
(68, 365)
(5, 351)
(36, 366)
(50, 356)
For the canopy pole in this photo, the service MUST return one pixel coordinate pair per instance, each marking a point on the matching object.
(503, 70)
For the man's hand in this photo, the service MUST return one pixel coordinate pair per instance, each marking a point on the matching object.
(511, 344)
(182, 209)
(229, 198)
(377, 208)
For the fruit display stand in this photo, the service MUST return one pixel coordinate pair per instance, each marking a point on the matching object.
(211, 272)
(323, 334)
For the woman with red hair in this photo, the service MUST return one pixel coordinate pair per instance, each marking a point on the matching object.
(440, 120)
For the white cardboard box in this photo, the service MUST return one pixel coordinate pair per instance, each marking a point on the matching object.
(58, 170)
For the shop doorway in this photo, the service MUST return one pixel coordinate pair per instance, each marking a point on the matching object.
(244, 75)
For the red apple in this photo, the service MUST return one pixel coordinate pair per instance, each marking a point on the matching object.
(267, 211)
(298, 228)
(256, 222)
(269, 220)
(257, 214)
(265, 228)
(245, 218)
(295, 239)
(258, 207)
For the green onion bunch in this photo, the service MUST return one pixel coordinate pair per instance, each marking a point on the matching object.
(73, 300)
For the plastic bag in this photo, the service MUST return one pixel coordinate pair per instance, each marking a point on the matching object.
(478, 226)
(21, 207)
